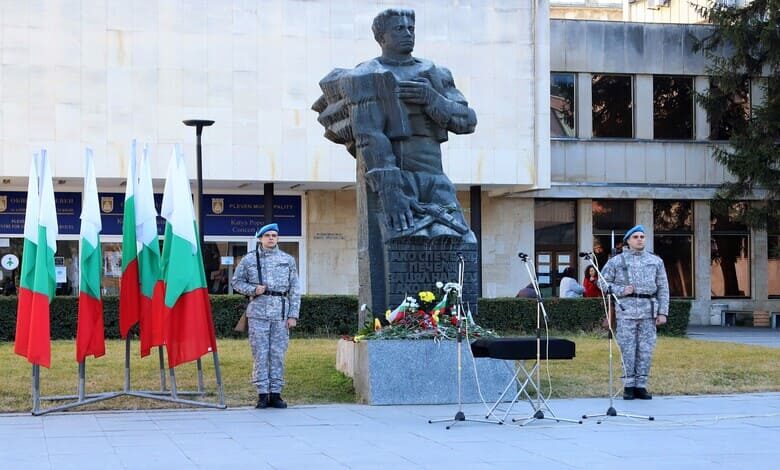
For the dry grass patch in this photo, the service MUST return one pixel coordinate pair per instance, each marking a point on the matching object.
(681, 367)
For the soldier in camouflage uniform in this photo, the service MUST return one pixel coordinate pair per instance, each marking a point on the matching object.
(638, 279)
(275, 301)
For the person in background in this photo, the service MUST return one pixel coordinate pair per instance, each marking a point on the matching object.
(591, 283)
(569, 287)
(527, 292)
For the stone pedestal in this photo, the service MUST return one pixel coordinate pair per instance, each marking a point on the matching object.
(417, 372)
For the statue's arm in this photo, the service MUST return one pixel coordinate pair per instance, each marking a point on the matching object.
(448, 109)
(382, 173)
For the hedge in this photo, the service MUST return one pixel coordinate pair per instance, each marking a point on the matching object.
(337, 315)
(519, 315)
(320, 315)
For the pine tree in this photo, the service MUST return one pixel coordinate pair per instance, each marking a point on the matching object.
(743, 46)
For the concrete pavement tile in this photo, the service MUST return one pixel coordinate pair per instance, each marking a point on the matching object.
(153, 457)
(86, 461)
(35, 461)
(274, 445)
(318, 460)
(21, 445)
(97, 444)
(137, 438)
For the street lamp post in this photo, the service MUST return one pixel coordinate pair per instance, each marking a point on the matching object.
(199, 124)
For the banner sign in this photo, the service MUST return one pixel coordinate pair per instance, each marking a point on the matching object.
(224, 214)
(13, 204)
(241, 215)
(112, 209)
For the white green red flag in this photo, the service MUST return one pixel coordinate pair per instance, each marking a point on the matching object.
(45, 283)
(90, 337)
(189, 326)
(152, 329)
(129, 286)
(27, 277)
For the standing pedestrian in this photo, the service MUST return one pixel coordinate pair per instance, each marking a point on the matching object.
(638, 278)
(270, 280)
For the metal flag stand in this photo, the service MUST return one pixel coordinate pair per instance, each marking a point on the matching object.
(611, 411)
(460, 416)
(172, 395)
(541, 403)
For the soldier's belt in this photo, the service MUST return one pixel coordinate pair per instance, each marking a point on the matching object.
(275, 293)
(641, 296)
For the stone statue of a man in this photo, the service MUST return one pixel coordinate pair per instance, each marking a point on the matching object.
(392, 113)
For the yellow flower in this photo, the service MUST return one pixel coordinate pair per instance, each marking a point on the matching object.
(358, 338)
(377, 324)
(426, 296)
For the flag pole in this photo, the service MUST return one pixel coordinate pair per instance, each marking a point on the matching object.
(36, 389)
(162, 368)
(82, 379)
(127, 363)
(200, 376)
(218, 373)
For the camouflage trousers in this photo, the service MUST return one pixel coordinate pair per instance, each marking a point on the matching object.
(268, 340)
(636, 338)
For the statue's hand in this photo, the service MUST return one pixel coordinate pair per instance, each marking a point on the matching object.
(417, 91)
(398, 209)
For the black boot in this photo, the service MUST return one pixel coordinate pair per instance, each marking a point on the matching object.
(628, 393)
(641, 393)
(262, 400)
(276, 401)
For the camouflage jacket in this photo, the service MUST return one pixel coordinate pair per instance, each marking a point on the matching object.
(279, 274)
(643, 270)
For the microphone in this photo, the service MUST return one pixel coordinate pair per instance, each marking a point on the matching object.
(522, 255)
(584, 254)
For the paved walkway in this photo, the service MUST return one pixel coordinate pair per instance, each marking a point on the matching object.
(769, 337)
(739, 431)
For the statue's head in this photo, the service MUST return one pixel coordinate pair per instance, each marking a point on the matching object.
(394, 30)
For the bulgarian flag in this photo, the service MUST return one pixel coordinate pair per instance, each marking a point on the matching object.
(152, 288)
(90, 339)
(129, 287)
(27, 278)
(189, 326)
(45, 283)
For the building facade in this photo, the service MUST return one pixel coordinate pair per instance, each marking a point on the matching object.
(99, 74)
(585, 128)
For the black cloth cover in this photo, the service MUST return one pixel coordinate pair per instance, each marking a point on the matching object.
(523, 348)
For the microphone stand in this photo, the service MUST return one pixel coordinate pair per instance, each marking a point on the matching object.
(611, 411)
(541, 403)
(459, 415)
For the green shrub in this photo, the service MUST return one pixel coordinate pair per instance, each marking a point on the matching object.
(519, 315)
(337, 315)
(320, 315)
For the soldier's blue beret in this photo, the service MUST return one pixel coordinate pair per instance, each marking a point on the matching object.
(632, 230)
(267, 228)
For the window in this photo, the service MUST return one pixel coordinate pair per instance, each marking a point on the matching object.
(773, 250)
(611, 219)
(562, 123)
(730, 254)
(672, 107)
(555, 241)
(735, 111)
(613, 106)
(673, 242)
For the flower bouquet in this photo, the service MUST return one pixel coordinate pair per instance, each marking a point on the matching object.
(425, 316)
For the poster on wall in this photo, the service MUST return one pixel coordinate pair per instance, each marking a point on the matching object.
(112, 264)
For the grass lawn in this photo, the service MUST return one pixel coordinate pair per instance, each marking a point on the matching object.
(681, 366)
